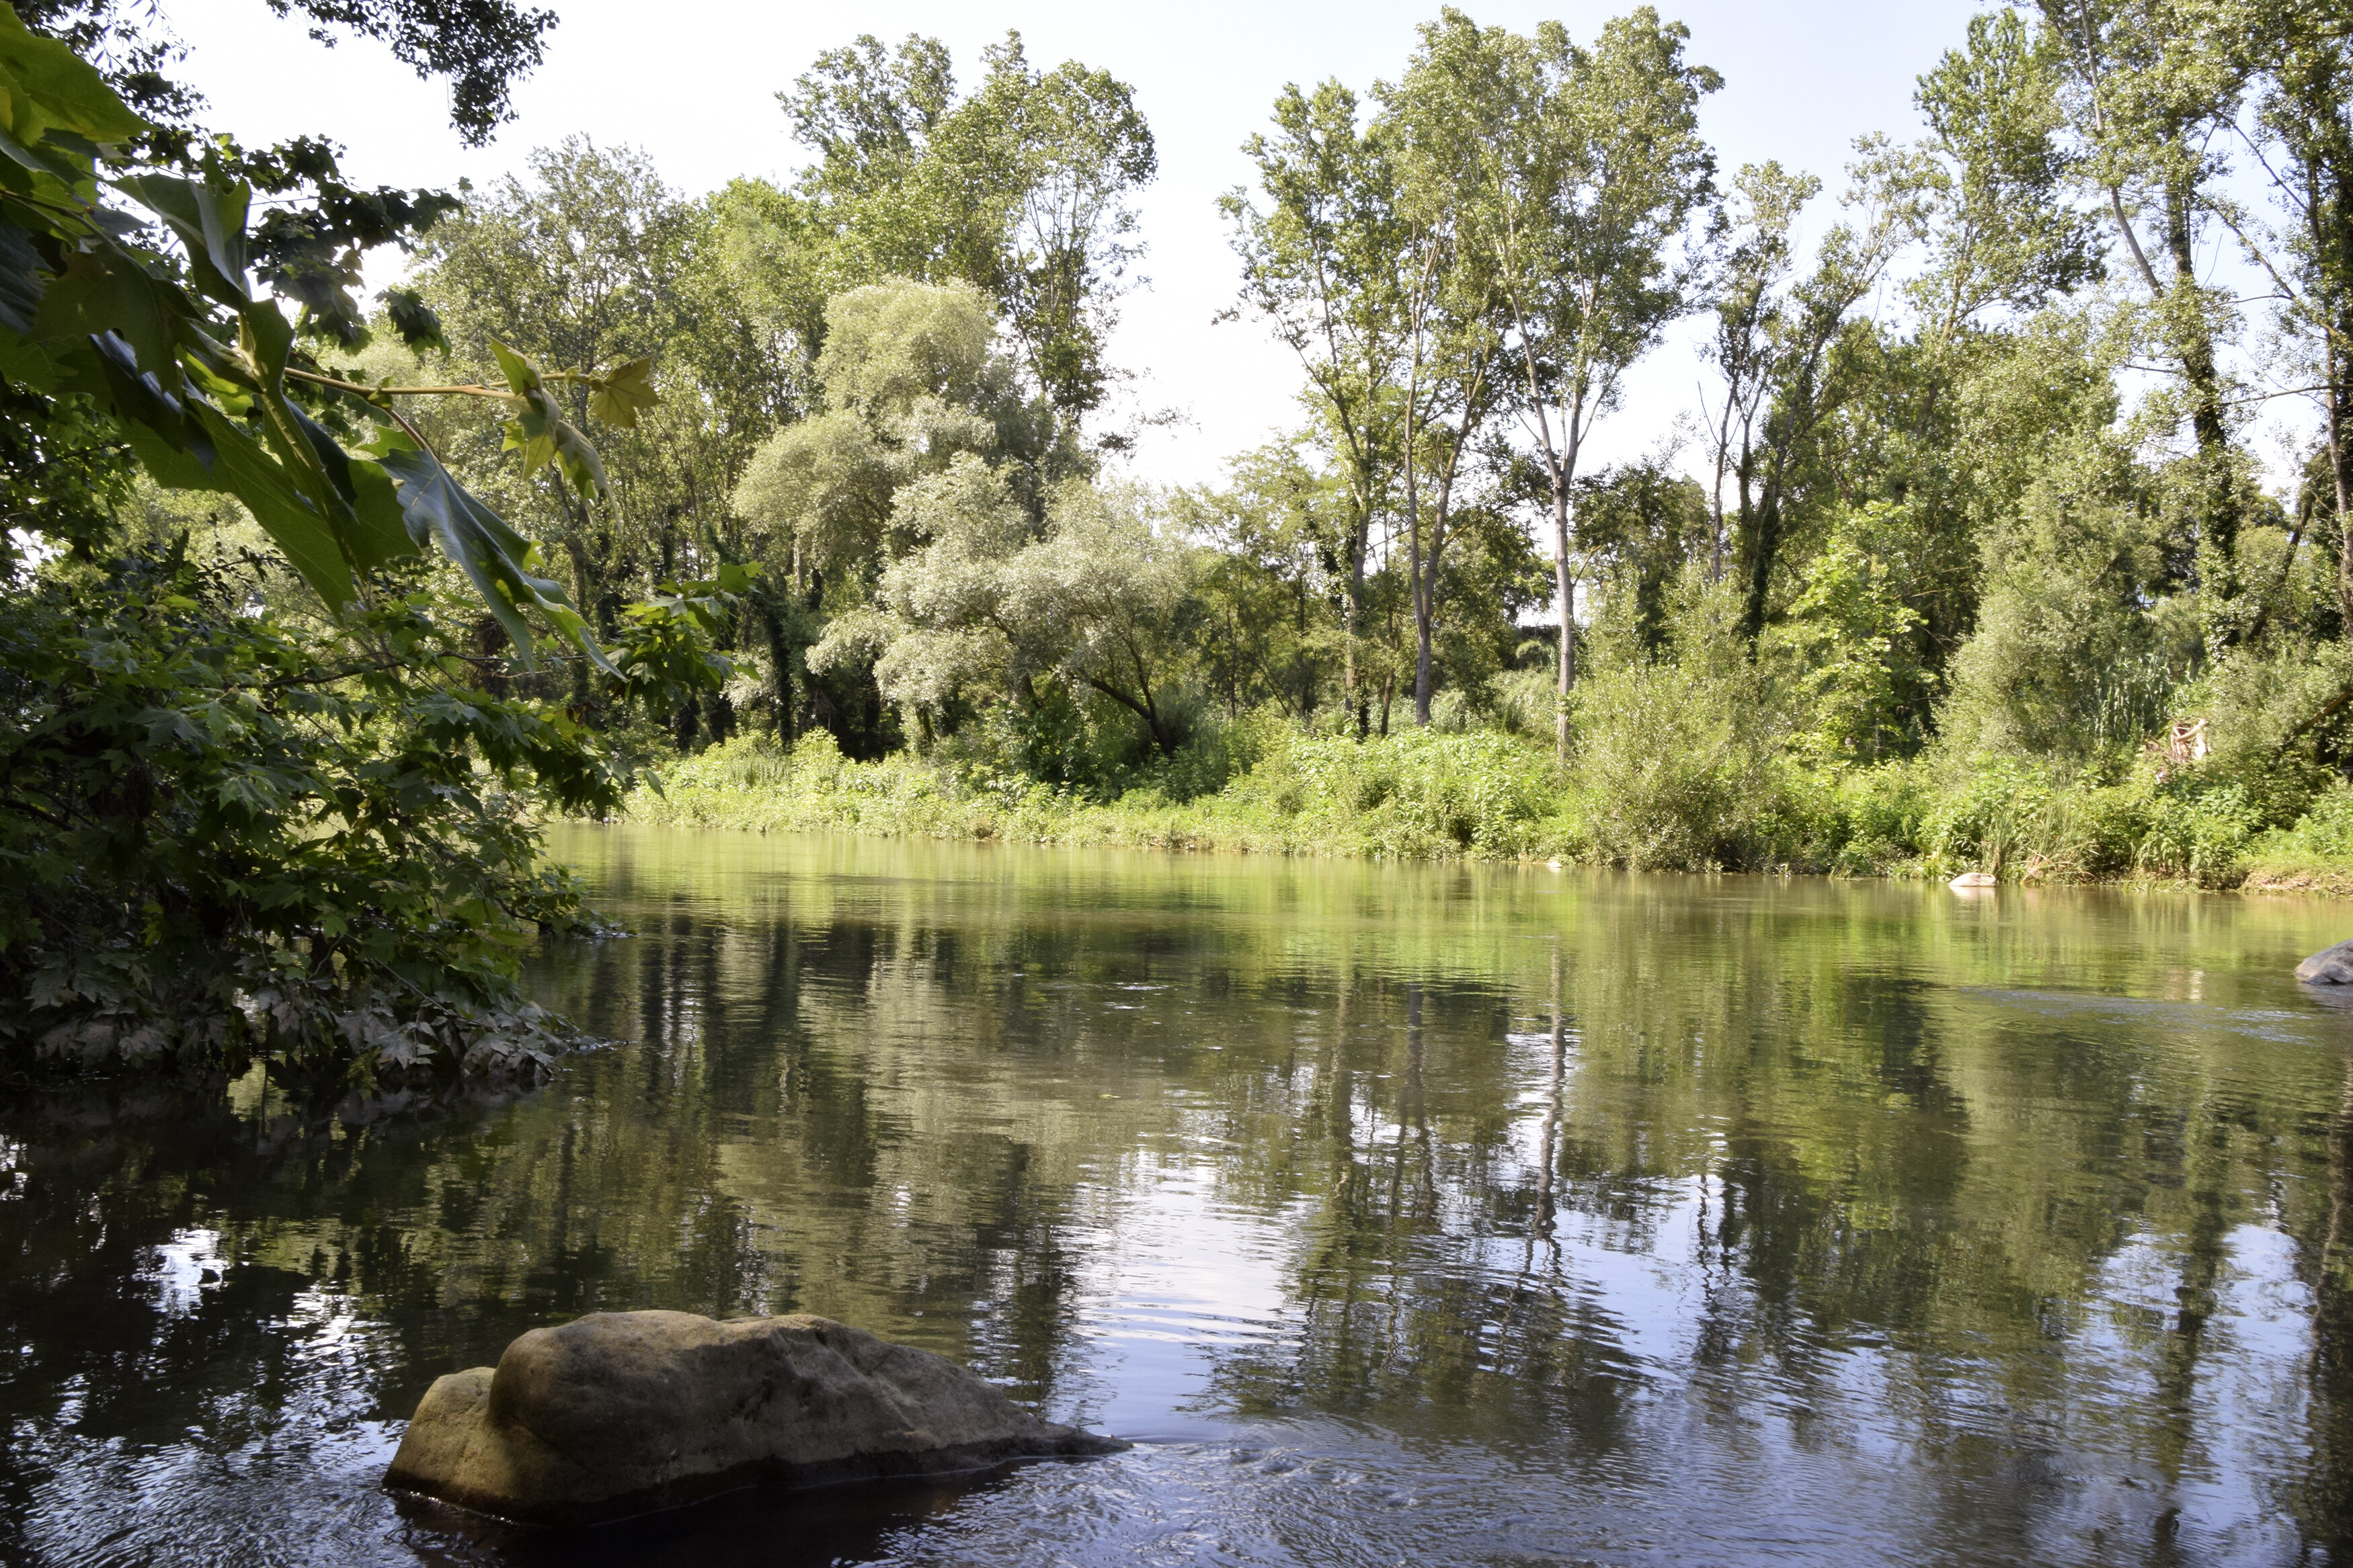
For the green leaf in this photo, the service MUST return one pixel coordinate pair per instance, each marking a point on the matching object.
(208, 220)
(74, 174)
(380, 532)
(47, 87)
(415, 320)
(20, 279)
(242, 467)
(623, 393)
(541, 433)
(333, 461)
(102, 291)
(497, 558)
(544, 435)
(521, 374)
(28, 365)
(574, 452)
(265, 333)
(175, 448)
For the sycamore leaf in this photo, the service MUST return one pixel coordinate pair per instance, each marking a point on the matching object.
(623, 393)
(253, 476)
(380, 530)
(333, 460)
(47, 87)
(73, 173)
(172, 447)
(576, 455)
(208, 220)
(102, 291)
(521, 375)
(498, 559)
(544, 435)
(266, 337)
(415, 320)
(540, 432)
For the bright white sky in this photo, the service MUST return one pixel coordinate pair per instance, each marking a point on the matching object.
(694, 83)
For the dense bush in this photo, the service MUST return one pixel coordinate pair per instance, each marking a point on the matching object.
(1672, 770)
(224, 830)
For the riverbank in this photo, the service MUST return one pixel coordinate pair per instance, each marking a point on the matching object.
(1491, 796)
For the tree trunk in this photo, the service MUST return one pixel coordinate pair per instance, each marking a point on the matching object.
(2218, 499)
(1420, 593)
(1358, 698)
(1565, 597)
(2328, 193)
(1764, 549)
(780, 660)
(1421, 662)
(2341, 465)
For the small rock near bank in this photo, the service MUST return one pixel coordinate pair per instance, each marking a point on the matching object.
(624, 1413)
(2329, 966)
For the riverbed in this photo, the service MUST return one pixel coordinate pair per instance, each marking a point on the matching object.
(1397, 1213)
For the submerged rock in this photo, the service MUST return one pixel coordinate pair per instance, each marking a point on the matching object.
(2329, 966)
(623, 1413)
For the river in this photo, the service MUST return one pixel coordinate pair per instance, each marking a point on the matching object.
(1398, 1213)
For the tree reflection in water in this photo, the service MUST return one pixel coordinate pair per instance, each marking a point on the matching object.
(1410, 1212)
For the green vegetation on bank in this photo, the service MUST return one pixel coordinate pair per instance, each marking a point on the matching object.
(1273, 788)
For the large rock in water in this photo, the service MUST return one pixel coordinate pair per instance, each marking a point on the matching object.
(2329, 966)
(623, 1413)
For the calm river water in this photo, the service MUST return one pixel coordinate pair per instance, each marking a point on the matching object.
(1400, 1215)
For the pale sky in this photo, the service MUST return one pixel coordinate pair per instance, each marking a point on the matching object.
(693, 84)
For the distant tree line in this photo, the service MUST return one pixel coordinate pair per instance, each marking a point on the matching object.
(1915, 473)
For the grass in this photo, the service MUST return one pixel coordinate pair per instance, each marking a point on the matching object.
(1494, 796)
(1420, 796)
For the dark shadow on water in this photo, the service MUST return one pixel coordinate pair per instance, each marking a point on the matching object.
(756, 1528)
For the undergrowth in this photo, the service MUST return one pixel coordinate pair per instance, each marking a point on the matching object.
(1652, 789)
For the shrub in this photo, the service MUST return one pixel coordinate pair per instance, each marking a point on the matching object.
(231, 832)
(1672, 770)
(2197, 835)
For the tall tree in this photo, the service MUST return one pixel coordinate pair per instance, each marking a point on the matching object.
(582, 265)
(1798, 384)
(914, 382)
(1593, 166)
(1455, 325)
(2303, 141)
(1754, 264)
(2155, 99)
(1024, 188)
(1321, 263)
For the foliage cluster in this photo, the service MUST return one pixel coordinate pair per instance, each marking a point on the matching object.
(280, 804)
(1419, 795)
(1941, 595)
(224, 838)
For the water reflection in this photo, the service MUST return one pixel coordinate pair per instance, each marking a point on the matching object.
(1406, 1213)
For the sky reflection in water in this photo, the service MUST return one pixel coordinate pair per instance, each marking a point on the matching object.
(1400, 1213)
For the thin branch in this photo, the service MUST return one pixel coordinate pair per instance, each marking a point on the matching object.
(373, 393)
